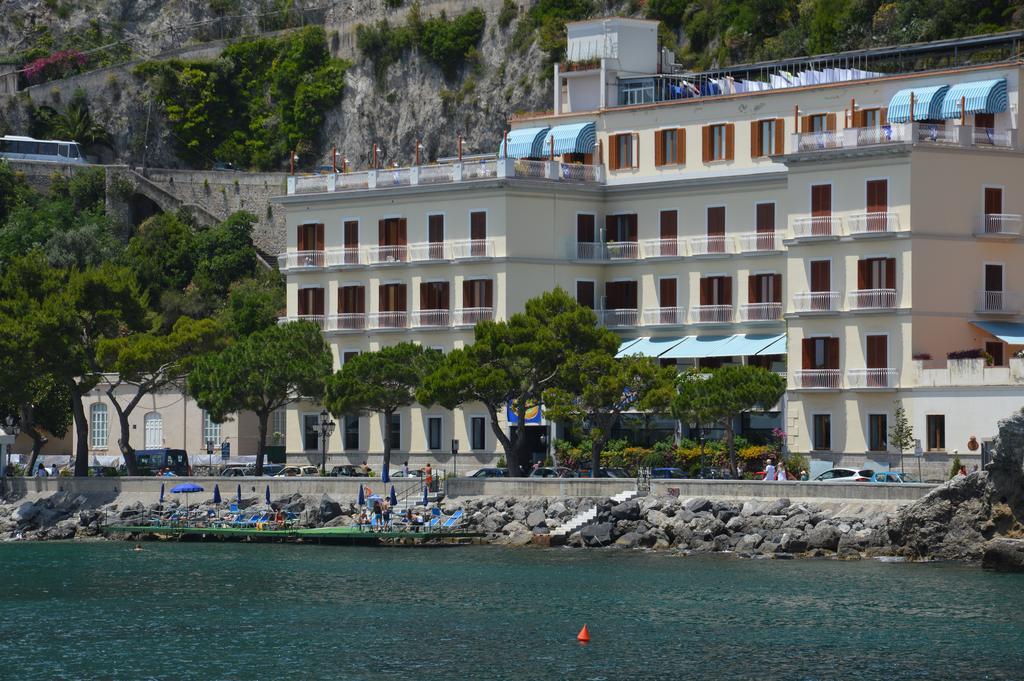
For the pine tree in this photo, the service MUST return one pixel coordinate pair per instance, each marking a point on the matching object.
(901, 435)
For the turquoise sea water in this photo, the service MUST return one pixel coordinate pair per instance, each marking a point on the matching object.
(236, 611)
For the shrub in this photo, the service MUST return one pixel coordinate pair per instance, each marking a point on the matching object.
(954, 469)
(509, 11)
(54, 66)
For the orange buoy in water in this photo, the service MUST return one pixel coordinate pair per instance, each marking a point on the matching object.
(584, 635)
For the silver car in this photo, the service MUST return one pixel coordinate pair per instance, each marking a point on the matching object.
(846, 475)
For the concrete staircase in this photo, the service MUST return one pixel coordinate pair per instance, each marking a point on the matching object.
(589, 516)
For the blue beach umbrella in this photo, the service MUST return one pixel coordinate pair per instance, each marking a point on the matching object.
(186, 489)
(362, 497)
(385, 474)
(238, 492)
(216, 494)
(161, 492)
(392, 497)
(267, 495)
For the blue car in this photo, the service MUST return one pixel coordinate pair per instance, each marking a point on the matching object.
(668, 473)
(891, 476)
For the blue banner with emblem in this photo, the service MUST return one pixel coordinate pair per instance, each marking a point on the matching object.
(534, 415)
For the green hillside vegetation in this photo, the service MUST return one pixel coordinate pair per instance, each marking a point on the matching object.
(252, 105)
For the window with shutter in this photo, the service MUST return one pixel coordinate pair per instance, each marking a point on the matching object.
(435, 236)
(821, 200)
(730, 141)
(716, 229)
(585, 293)
(669, 231)
(993, 200)
(478, 233)
(680, 146)
(822, 432)
(667, 292)
(780, 136)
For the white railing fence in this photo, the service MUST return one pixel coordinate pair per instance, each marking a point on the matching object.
(760, 312)
(872, 299)
(664, 316)
(818, 225)
(861, 223)
(713, 314)
(829, 379)
(816, 301)
(871, 378)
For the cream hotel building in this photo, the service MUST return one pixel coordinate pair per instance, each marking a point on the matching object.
(847, 220)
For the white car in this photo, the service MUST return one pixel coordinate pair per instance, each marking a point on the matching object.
(298, 472)
(846, 475)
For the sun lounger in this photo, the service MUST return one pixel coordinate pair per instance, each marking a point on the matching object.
(453, 519)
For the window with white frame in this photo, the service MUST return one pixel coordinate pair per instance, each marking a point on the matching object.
(98, 426)
(154, 427)
(211, 430)
(278, 423)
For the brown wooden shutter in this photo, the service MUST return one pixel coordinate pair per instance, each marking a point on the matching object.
(402, 238)
(424, 295)
(303, 302)
(755, 139)
(878, 196)
(659, 147)
(877, 352)
(613, 152)
(993, 200)
(478, 225)
(857, 119)
(830, 122)
(753, 288)
(402, 302)
(883, 116)
(807, 352)
(730, 141)
(382, 230)
(488, 293)
(318, 301)
(300, 233)
(585, 229)
(820, 275)
(832, 353)
(351, 234)
(610, 231)
(890, 272)
(765, 215)
(669, 224)
(342, 303)
(821, 200)
(681, 146)
(319, 237)
(776, 288)
(435, 229)
(705, 134)
(631, 227)
(705, 290)
(805, 124)
(585, 293)
(716, 221)
(360, 300)
(726, 291)
(863, 274)
(780, 136)
(667, 293)
(468, 299)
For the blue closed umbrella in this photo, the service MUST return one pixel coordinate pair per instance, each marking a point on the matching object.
(385, 474)
(362, 496)
(425, 502)
(267, 495)
(392, 497)
(239, 492)
(161, 492)
(216, 494)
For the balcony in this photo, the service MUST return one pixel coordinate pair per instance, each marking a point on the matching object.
(622, 250)
(455, 249)
(711, 314)
(710, 245)
(999, 226)
(824, 139)
(818, 226)
(818, 379)
(936, 133)
(468, 316)
(871, 379)
(446, 173)
(662, 248)
(664, 316)
(860, 224)
(352, 321)
(816, 301)
(879, 134)
(904, 133)
(396, 319)
(992, 137)
(431, 318)
(590, 250)
(619, 318)
(387, 254)
(872, 299)
(998, 302)
(341, 257)
(301, 260)
(759, 242)
(317, 319)
(760, 312)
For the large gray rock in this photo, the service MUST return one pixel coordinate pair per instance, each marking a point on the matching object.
(536, 518)
(630, 540)
(777, 506)
(748, 543)
(698, 505)
(708, 528)
(737, 524)
(329, 509)
(793, 542)
(752, 508)
(1004, 555)
(658, 519)
(26, 512)
(823, 537)
(627, 510)
(598, 534)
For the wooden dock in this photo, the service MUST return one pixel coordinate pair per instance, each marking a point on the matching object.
(316, 535)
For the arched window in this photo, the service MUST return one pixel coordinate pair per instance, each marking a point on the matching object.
(98, 426)
(211, 431)
(154, 430)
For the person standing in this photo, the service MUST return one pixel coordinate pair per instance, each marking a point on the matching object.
(405, 469)
(428, 475)
(53, 470)
(780, 474)
(769, 471)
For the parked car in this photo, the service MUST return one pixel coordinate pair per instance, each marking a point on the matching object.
(668, 473)
(236, 471)
(162, 462)
(346, 471)
(546, 472)
(224, 165)
(488, 473)
(103, 471)
(606, 473)
(298, 472)
(412, 474)
(712, 473)
(891, 476)
(846, 475)
(270, 469)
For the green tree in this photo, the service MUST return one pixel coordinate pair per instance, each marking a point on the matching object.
(76, 124)
(381, 382)
(253, 303)
(224, 254)
(162, 255)
(901, 434)
(596, 388)
(12, 189)
(262, 373)
(511, 363)
(723, 394)
(146, 363)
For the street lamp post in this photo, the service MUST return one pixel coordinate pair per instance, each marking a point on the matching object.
(455, 458)
(325, 427)
(209, 454)
(11, 431)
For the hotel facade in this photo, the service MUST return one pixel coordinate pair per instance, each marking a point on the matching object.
(844, 220)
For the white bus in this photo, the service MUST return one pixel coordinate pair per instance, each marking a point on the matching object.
(29, 149)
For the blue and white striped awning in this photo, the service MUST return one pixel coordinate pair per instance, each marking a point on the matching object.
(649, 347)
(927, 104)
(524, 142)
(578, 138)
(981, 96)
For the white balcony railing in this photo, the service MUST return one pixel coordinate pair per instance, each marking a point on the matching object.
(317, 319)
(759, 242)
(664, 316)
(440, 317)
(467, 316)
(711, 314)
(577, 172)
(476, 170)
(471, 248)
(1002, 224)
(992, 137)
(357, 180)
(438, 173)
(590, 250)
(394, 177)
(398, 319)
(298, 260)
(821, 379)
(818, 225)
(938, 133)
(998, 302)
(760, 312)
(620, 317)
(871, 378)
(825, 139)
(311, 184)
(881, 134)
(870, 223)
(349, 321)
(622, 250)
(528, 168)
(816, 301)
(662, 248)
(872, 299)
(339, 257)
(710, 245)
(388, 254)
